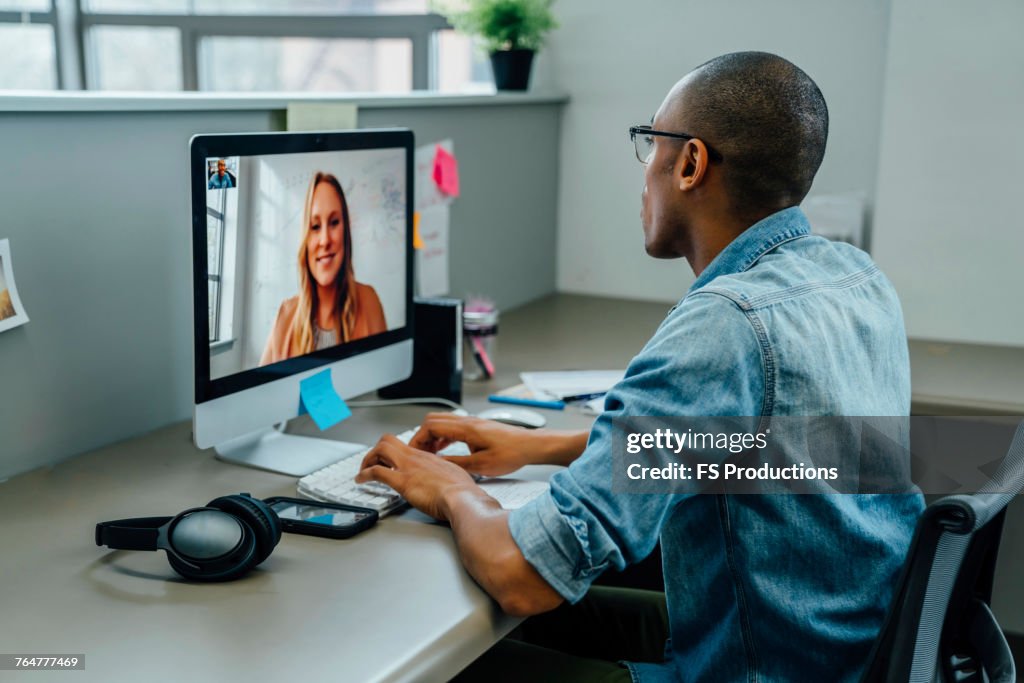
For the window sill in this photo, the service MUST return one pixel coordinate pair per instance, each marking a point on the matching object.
(219, 347)
(64, 101)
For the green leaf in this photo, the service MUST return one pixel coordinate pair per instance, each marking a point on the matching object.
(503, 24)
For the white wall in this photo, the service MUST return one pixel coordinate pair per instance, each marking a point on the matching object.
(617, 67)
(949, 227)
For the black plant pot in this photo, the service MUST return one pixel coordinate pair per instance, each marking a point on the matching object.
(512, 69)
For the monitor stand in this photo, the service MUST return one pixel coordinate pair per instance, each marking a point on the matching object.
(297, 456)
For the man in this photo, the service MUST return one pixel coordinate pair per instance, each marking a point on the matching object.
(221, 180)
(778, 323)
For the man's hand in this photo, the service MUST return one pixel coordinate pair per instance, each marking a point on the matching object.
(496, 448)
(447, 492)
(423, 479)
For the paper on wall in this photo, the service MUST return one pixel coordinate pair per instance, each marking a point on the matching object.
(838, 217)
(321, 116)
(12, 313)
(432, 259)
(427, 192)
(432, 209)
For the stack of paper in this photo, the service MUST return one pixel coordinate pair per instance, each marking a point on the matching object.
(572, 385)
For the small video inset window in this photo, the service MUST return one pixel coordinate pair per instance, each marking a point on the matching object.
(222, 174)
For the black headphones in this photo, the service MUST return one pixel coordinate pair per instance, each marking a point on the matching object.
(219, 542)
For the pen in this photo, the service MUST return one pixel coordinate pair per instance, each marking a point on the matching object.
(584, 397)
(480, 354)
(532, 402)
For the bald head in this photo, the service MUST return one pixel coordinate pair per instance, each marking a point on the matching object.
(765, 116)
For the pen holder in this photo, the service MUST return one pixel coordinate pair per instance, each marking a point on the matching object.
(479, 344)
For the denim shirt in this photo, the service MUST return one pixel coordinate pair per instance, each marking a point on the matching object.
(759, 587)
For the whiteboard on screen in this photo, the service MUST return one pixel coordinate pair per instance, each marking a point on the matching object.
(949, 224)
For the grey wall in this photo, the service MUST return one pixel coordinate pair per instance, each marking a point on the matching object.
(96, 207)
(982, 378)
(617, 66)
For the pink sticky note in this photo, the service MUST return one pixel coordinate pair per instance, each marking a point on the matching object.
(446, 172)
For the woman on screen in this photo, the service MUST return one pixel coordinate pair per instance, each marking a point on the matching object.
(331, 308)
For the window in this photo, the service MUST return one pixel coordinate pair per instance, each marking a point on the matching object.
(30, 59)
(461, 66)
(306, 64)
(215, 235)
(28, 37)
(235, 45)
(134, 58)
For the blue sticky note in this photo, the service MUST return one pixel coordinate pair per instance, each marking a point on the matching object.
(318, 398)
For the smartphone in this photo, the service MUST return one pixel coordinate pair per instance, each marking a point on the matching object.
(313, 518)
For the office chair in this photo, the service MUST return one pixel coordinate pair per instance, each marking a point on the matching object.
(940, 628)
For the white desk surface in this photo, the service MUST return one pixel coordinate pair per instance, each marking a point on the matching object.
(392, 604)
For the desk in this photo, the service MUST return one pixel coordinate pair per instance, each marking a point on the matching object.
(392, 604)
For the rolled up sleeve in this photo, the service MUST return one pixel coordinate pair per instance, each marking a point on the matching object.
(549, 543)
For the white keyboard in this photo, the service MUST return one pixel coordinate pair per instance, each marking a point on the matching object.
(336, 484)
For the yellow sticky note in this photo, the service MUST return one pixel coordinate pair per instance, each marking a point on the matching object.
(321, 116)
(417, 241)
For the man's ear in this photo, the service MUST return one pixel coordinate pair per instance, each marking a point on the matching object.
(691, 165)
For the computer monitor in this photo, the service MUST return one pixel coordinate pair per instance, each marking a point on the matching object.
(302, 249)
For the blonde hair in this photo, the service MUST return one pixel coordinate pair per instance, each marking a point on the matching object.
(301, 337)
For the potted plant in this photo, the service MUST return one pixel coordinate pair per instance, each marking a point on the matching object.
(512, 31)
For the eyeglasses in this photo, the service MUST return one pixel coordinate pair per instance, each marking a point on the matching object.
(643, 141)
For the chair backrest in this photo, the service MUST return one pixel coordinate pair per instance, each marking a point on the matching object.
(939, 627)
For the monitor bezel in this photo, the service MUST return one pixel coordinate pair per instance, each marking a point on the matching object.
(202, 147)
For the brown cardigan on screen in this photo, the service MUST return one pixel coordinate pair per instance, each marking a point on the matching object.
(369, 321)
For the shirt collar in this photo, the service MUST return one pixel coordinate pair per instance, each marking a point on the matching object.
(754, 242)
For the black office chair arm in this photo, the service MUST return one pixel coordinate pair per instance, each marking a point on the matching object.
(955, 514)
(892, 655)
(958, 537)
(988, 641)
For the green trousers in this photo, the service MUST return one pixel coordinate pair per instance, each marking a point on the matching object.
(581, 642)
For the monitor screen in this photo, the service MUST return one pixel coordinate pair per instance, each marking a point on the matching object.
(306, 256)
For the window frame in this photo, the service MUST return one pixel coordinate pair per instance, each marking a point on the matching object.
(418, 28)
(220, 216)
(72, 23)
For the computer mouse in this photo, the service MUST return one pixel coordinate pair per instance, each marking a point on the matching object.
(519, 417)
